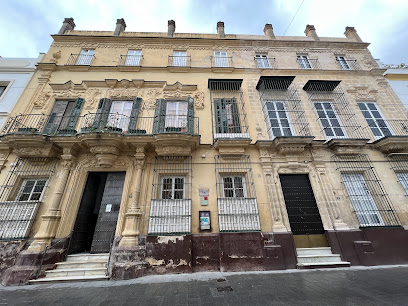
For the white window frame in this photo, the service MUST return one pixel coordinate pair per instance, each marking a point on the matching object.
(375, 124)
(176, 120)
(85, 57)
(262, 61)
(31, 193)
(403, 179)
(328, 119)
(363, 202)
(304, 61)
(119, 119)
(221, 59)
(234, 188)
(278, 118)
(342, 60)
(173, 189)
(133, 58)
(179, 58)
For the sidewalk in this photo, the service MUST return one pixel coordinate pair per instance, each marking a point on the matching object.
(380, 285)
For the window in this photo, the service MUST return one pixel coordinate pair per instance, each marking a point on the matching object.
(343, 62)
(120, 113)
(133, 58)
(329, 120)
(176, 115)
(31, 190)
(85, 57)
(173, 188)
(403, 179)
(362, 200)
(227, 116)
(234, 186)
(278, 118)
(304, 61)
(375, 120)
(2, 90)
(221, 59)
(262, 61)
(180, 58)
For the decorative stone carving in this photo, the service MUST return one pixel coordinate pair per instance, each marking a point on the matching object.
(55, 57)
(106, 155)
(151, 97)
(42, 99)
(47, 151)
(127, 94)
(199, 100)
(91, 98)
(363, 93)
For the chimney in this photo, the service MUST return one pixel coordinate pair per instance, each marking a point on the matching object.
(220, 29)
(352, 34)
(67, 25)
(171, 28)
(311, 32)
(268, 30)
(120, 26)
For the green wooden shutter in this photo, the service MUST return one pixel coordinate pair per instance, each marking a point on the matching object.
(73, 118)
(235, 116)
(134, 115)
(55, 118)
(102, 114)
(48, 130)
(190, 116)
(159, 116)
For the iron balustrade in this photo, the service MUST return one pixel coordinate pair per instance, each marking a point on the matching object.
(346, 64)
(221, 62)
(381, 128)
(26, 124)
(81, 59)
(309, 63)
(265, 62)
(179, 61)
(130, 60)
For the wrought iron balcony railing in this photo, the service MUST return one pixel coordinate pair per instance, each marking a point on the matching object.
(81, 59)
(221, 62)
(381, 128)
(309, 63)
(179, 61)
(265, 62)
(130, 60)
(348, 64)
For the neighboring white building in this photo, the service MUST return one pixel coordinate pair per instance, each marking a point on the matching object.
(15, 73)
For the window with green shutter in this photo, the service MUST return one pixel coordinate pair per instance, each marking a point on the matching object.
(63, 117)
(174, 116)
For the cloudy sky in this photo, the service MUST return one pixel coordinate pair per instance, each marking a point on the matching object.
(26, 25)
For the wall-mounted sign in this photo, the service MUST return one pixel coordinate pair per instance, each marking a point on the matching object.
(204, 192)
(205, 220)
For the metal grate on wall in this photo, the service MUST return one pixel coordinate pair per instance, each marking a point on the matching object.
(21, 195)
(283, 110)
(366, 192)
(236, 197)
(170, 209)
(229, 118)
(334, 113)
(399, 163)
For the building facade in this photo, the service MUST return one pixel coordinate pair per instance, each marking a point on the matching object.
(168, 152)
(397, 76)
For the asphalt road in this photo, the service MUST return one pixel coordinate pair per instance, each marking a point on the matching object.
(345, 286)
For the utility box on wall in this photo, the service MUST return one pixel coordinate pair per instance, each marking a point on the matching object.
(205, 220)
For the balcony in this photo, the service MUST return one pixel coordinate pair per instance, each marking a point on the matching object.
(130, 62)
(179, 63)
(309, 63)
(391, 136)
(348, 64)
(80, 62)
(265, 62)
(221, 64)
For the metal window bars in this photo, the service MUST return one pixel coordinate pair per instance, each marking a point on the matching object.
(346, 64)
(170, 208)
(265, 62)
(399, 163)
(236, 197)
(81, 59)
(229, 117)
(308, 63)
(381, 128)
(335, 116)
(17, 217)
(130, 60)
(283, 110)
(366, 192)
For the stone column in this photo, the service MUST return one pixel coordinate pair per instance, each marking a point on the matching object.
(50, 220)
(274, 201)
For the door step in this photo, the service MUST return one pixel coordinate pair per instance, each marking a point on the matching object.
(314, 258)
(78, 267)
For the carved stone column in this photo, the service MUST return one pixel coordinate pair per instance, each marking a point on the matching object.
(278, 225)
(50, 220)
(130, 234)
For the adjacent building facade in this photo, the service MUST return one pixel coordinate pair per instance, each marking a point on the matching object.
(178, 152)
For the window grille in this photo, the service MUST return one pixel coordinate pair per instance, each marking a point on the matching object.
(236, 198)
(399, 163)
(336, 118)
(365, 191)
(170, 210)
(228, 109)
(21, 193)
(283, 110)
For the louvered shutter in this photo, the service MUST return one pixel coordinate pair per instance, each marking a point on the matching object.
(134, 115)
(159, 116)
(102, 114)
(190, 116)
(73, 118)
(55, 118)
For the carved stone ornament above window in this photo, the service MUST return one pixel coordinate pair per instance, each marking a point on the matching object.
(363, 93)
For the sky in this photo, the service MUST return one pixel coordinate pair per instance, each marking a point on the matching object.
(26, 25)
